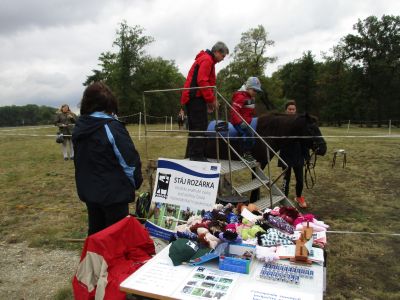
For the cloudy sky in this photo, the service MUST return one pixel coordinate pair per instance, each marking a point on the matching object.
(48, 47)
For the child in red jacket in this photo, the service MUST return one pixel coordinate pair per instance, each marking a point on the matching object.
(243, 102)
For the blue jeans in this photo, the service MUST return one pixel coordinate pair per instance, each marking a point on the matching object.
(247, 137)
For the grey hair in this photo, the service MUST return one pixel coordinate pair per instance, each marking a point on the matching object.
(221, 47)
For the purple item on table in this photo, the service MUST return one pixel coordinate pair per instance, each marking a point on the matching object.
(280, 224)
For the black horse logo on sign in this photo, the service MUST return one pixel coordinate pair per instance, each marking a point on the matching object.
(163, 185)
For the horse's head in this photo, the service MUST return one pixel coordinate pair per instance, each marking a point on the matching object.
(316, 141)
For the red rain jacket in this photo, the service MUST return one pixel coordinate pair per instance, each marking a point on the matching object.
(244, 105)
(109, 257)
(202, 73)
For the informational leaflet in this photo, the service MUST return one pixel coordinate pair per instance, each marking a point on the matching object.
(207, 283)
(278, 294)
(156, 278)
(182, 188)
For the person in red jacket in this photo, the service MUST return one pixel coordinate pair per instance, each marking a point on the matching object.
(243, 103)
(199, 101)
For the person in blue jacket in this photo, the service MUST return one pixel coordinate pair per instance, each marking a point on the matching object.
(107, 165)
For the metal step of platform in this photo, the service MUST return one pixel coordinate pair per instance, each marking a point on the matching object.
(265, 202)
(235, 165)
(252, 185)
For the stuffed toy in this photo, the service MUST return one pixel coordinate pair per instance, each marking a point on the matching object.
(215, 227)
(230, 237)
(289, 214)
(231, 218)
(207, 239)
(194, 227)
(218, 215)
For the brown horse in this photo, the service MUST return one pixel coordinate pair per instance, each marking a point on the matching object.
(274, 128)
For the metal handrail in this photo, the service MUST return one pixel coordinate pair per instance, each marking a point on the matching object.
(227, 104)
(269, 148)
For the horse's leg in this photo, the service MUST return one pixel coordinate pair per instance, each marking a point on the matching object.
(255, 194)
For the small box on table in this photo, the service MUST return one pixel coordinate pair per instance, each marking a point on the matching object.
(238, 258)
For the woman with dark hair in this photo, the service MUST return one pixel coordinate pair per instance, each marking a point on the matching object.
(294, 154)
(65, 120)
(107, 165)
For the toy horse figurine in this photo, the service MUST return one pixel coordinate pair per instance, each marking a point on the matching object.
(301, 254)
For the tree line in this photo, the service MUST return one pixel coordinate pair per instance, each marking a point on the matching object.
(26, 115)
(359, 79)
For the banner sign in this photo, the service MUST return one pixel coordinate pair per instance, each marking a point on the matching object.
(182, 188)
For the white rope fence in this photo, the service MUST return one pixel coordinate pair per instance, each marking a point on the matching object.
(393, 136)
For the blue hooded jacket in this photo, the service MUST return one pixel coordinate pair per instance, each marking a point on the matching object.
(107, 165)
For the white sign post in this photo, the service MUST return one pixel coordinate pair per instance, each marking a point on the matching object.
(182, 188)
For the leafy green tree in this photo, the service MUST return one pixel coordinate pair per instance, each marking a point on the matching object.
(299, 82)
(376, 49)
(249, 59)
(129, 72)
(119, 70)
(157, 73)
(338, 91)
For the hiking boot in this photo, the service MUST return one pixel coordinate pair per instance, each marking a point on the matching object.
(301, 202)
(249, 158)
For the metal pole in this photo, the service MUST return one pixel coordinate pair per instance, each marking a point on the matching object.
(229, 152)
(171, 123)
(390, 127)
(145, 127)
(348, 127)
(216, 122)
(140, 123)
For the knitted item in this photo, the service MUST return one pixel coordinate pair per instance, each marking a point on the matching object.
(280, 223)
(274, 237)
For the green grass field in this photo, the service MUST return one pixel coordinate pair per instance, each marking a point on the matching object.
(39, 203)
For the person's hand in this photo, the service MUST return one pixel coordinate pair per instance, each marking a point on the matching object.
(243, 125)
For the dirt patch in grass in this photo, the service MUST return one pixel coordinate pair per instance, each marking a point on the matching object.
(35, 273)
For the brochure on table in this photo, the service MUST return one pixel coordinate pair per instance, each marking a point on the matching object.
(206, 283)
(182, 188)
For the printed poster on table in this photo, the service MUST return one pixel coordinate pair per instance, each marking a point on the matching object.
(182, 188)
(205, 283)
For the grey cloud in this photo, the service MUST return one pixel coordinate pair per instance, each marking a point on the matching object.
(17, 15)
